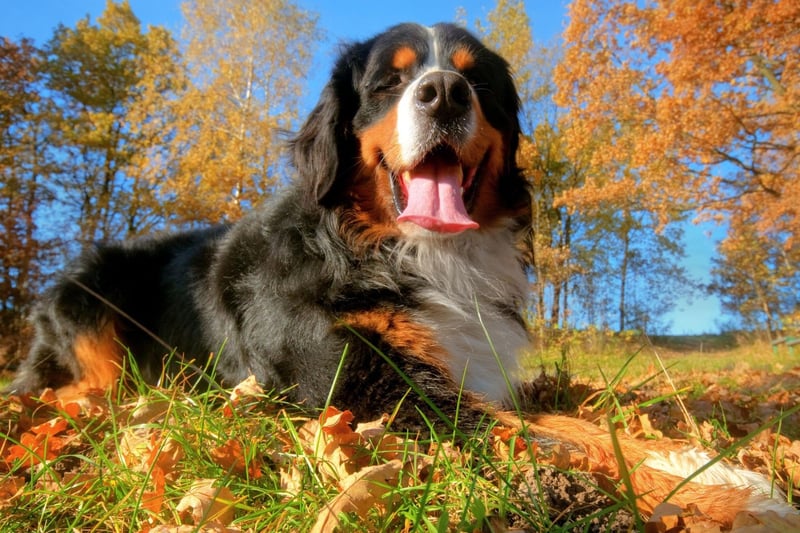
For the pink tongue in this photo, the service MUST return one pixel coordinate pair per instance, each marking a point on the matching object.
(434, 198)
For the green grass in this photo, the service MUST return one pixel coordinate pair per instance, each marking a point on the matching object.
(591, 356)
(129, 463)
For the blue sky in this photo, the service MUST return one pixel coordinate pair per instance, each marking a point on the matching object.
(344, 20)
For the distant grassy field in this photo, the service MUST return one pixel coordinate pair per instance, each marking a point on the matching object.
(591, 359)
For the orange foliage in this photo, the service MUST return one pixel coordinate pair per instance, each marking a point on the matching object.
(682, 104)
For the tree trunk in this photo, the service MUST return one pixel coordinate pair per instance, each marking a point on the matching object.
(623, 278)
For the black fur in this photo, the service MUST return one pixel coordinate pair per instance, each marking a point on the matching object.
(267, 293)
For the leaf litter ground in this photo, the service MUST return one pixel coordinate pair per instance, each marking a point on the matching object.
(244, 461)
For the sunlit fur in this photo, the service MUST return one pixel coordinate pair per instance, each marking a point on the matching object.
(474, 287)
(325, 266)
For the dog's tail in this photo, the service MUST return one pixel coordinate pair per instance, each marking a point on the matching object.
(655, 470)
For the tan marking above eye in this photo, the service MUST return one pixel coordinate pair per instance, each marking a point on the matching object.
(404, 57)
(463, 59)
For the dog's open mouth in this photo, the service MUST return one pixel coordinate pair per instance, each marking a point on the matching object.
(432, 194)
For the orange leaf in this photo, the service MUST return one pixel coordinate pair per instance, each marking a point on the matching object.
(153, 500)
(230, 456)
(51, 427)
(336, 422)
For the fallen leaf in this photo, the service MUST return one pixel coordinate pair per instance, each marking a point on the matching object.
(249, 388)
(230, 456)
(165, 454)
(51, 427)
(10, 489)
(647, 429)
(204, 504)
(768, 521)
(35, 447)
(142, 447)
(148, 410)
(666, 517)
(209, 527)
(153, 500)
(360, 492)
(560, 457)
(507, 444)
(336, 422)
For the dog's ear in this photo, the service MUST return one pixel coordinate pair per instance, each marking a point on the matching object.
(326, 146)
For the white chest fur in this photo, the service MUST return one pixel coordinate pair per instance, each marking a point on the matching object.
(474, 282)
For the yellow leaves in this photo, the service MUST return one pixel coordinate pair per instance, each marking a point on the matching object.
(246, 62)
(177, 469)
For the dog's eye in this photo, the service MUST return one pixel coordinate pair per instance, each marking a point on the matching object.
(391, 81)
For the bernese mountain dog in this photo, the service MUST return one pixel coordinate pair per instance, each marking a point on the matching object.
(391, 255)
(385, 279)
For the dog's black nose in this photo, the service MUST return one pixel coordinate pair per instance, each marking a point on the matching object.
(443, 95)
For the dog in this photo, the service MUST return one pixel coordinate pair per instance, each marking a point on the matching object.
(395, 245)
(385, 278)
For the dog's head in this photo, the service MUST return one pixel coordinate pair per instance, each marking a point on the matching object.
(415, 134)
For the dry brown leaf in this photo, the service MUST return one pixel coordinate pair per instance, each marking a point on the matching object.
(143, 447)
(153, 500)
(166, 455)
(373, 430)
(560, 457)
(665, 517)
(360, 492)
(134, 446)
(647, 428)
(10, 489)
(147, 410)
(334, 446)
(244, 396)
(504, 440)
(336, 422)
(291, 479)
(205, 504)
(247, 389)
(766, 522)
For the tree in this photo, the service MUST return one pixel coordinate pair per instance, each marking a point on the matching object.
(756, 277)
(22, 165)
(688, 105)
(98, 77)
(246, 62)
(584, 249)
(541, 156)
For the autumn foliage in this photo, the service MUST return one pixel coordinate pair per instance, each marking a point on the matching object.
(679, 105)
(112, 129)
